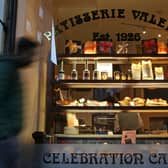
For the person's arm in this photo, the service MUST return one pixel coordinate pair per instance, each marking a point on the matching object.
(116, 124)
(141, 123)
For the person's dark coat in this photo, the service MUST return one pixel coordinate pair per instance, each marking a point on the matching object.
(10, 98)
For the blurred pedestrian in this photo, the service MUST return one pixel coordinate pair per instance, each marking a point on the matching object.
(11, 100)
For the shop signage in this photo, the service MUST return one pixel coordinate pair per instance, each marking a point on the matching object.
(109, 14)
(100, 156)
(119, 36)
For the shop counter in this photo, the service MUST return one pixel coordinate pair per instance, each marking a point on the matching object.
(109, 139)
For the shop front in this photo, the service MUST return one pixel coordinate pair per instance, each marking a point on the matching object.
(100, 82)
(110, 76)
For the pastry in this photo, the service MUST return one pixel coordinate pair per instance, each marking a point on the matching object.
(62, 102)
(156, 102)
(125, 102)
(138, 101)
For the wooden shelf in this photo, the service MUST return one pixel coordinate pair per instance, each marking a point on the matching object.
(85, 136)
(115, 59)
(112, 84)
(109, 109)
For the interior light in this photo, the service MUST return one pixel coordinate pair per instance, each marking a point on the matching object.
(144, 32)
